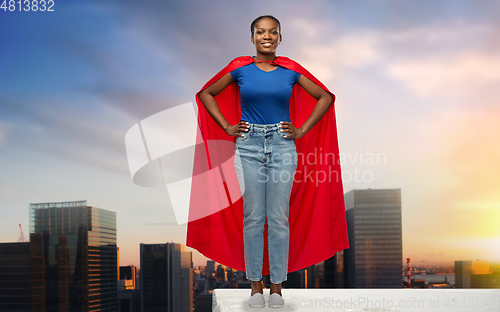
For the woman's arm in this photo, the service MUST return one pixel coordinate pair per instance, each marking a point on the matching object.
(325, 100)
(207, 97)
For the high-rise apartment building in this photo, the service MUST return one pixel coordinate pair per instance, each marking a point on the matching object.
(375, 255)
(166, 278)
(79, 265)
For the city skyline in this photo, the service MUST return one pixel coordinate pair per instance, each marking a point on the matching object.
(414, 82)
(202, 259)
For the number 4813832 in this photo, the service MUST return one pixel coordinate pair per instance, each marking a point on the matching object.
(28, 5)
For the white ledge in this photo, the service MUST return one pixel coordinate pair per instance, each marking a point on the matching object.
(365, 300)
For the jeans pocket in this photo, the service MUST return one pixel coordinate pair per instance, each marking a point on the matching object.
(246, 134)
(283, 134)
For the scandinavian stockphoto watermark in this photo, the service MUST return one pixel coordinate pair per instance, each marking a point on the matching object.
(320, 167)
(161, 153)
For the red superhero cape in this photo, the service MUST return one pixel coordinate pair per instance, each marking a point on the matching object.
(318, 228)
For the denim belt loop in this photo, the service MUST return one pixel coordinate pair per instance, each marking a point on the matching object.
(264, 127)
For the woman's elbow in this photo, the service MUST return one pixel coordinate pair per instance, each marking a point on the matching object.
(331, 98)
(328, 98)
(205, 94)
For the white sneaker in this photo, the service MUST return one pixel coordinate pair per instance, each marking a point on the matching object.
(257, 301)
(276, 301)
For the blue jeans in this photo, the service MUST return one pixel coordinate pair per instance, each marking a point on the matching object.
(265, 163)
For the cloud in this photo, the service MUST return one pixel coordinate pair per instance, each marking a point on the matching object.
(433, 254)
(329, 54)
(74, 132)
(451, 75)
(331, 60)
(443, 59)
(455, 59)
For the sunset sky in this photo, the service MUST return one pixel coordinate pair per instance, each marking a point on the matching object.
(416, 81)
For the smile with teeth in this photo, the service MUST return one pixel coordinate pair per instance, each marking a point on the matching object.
(267, 44)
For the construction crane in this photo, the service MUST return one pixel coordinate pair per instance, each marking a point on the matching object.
(21, 238)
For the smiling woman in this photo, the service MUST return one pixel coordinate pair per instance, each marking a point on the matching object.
(263, 98)
(266, 36)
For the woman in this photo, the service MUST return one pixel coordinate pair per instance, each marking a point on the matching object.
(266, 154)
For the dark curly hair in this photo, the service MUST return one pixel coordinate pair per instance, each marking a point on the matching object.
(252, 26)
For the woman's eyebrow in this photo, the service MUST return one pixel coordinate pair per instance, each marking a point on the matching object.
(265, 29)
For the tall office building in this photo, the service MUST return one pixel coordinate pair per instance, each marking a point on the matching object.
(375, 255)
(334, 271)
(22, 280)
(128, 295)
(296, 279)
(491, 280)
(79, 265)
(465, 269)
(15, 294)
(221, 272)
(127, 277)
(210, 268)
(166, 278)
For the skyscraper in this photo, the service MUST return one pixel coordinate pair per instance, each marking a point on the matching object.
(166, 278)
(210, 268)
(80, 255)
(375, 255)
(15, 294)
(127, 276)
(334, 271)
(464, 270)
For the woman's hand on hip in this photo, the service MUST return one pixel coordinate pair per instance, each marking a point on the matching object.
(234, 130)
(287, 126)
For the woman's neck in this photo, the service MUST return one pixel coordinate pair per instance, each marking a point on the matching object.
(265, 57)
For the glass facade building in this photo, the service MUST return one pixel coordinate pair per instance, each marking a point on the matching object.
(15, 277)
(465, 269)
(166, 278)
(79, 255)
(375, 255)
(334, 271)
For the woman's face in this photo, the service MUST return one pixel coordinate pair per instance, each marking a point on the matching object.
(266, 36)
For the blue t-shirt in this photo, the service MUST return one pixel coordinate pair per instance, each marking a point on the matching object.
(265, 96)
